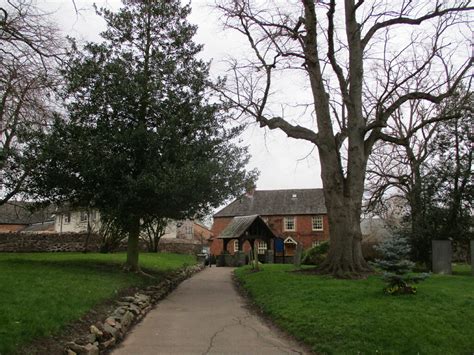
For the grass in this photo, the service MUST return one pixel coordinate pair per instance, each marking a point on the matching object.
(354, 316)
(40, 293)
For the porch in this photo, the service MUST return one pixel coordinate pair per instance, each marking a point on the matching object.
(248, 233)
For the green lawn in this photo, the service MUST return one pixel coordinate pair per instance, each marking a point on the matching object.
(354, 316)
(42, 292)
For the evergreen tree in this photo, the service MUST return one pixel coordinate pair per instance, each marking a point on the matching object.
(397, 267)
(143, 138)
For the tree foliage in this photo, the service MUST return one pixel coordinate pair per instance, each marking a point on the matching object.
(143, 138)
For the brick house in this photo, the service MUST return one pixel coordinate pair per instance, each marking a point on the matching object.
(295, 216)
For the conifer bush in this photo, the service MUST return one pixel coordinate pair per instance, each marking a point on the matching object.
(397, 267)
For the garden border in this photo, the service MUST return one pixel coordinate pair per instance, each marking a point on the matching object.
(103, 336)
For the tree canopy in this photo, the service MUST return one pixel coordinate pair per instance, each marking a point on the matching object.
(142, 136)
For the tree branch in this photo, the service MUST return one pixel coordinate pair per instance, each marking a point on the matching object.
(412, 21)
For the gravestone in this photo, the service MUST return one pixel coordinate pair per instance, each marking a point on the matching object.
(269, 257)
(472, 257)
(298, 255)
(442, 255)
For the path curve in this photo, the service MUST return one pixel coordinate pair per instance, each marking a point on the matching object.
(205, 315)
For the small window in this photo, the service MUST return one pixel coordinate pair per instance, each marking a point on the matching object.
(317, 222)
(83, 216)
(289, 224)
(67, 217)
(261, 247)
(236, 245)
(315, 243)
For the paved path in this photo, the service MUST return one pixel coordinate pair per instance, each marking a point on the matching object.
(204, 315)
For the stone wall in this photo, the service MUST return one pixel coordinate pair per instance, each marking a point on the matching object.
(47, 242)
(180, 246)
(74, 242)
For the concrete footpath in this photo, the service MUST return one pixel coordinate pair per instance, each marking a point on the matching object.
(205, 315)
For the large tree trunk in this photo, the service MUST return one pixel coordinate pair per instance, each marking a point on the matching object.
(345, 257)
(343, 197)
(132, 247)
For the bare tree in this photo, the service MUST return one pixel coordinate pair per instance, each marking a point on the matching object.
(110, 233)
(359, 63)
(29, 50)
(408, 168)
(153, 228)
(396, 170)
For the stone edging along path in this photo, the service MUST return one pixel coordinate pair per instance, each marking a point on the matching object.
(131, 309)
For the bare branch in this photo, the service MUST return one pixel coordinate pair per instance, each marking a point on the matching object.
(401, 20)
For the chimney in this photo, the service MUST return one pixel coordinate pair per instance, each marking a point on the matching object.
(250, 189)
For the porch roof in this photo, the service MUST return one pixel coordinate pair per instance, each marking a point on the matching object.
(249, 227)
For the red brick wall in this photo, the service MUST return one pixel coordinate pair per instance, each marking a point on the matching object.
(217, 227)
(11, 227)
(303, 234)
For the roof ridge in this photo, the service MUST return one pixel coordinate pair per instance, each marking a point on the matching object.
(312, 188)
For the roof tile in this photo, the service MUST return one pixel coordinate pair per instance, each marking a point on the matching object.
(277, 202)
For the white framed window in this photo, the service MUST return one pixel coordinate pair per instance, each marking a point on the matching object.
(317, 223)
(315, 243)
(261, 247)
(289, 224)
(83, 216)
(67, 217)
(236, 245)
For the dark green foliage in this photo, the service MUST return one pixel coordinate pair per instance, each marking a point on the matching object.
(316, 255)
(143, 138)
(397, 267)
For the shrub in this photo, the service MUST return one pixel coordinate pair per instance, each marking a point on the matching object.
(316, 254)
(396, 266)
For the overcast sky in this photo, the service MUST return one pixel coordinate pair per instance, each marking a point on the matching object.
(284, 163)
